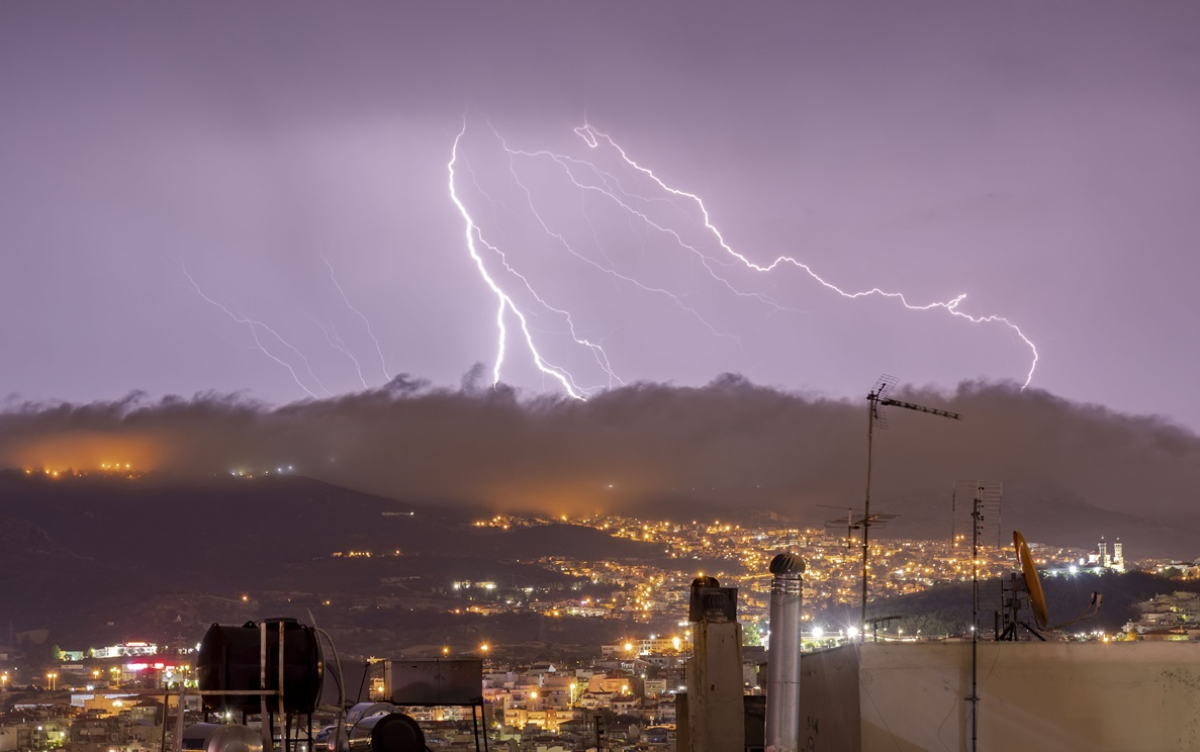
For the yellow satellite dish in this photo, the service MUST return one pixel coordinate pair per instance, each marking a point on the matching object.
(1037, 599)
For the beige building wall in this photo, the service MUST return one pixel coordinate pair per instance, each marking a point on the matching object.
(716, 716)
(1137, 696)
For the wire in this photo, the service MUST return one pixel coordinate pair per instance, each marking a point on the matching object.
(341, 684)
(938, 734)
(955, 705)
(858, 650)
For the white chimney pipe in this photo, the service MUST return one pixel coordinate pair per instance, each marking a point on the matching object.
(783, 662)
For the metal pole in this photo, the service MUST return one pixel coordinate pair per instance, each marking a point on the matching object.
(162, 745)
(284, 729)
(177, 745)
(281, 672)
(977, 517)
(866, 523)
(264, 716)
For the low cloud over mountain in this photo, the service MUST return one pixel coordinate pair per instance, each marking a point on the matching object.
(728, 444)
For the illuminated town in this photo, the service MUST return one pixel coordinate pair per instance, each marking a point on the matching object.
(738, 555)
(536, 695)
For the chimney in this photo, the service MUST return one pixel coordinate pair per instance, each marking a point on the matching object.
(715, 713)
(783, 663)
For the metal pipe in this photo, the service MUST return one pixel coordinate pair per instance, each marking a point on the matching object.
(282, 712)
(866, 523)
(177, 745)
(262, 685)
(783, 667)
(166, 712)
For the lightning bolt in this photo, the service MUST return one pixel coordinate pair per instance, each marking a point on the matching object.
(472, 233)
(596, 349)
(588, 177)
(608, 268)
(705, 260)
(635, 190)
(593, 137)
(338, 344)
(254, 325)
(361, 315)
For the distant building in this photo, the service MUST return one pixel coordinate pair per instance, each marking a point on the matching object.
(126, 649)
(643, 647)
(1101, 559)
(1174, 616)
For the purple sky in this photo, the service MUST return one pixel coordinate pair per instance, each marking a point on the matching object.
(1042, 160)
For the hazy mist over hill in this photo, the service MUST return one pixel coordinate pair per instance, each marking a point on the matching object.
(730, 444)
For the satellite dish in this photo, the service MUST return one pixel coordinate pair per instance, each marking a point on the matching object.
(1037, 599)
(1032, 586)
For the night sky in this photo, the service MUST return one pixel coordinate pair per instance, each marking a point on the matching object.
(170, 172)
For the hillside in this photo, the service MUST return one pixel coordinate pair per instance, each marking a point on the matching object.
(946, 608)
(94, 550)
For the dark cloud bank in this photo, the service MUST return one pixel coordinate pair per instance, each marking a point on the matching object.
(1070, 470)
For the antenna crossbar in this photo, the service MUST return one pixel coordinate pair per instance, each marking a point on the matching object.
(921, 408)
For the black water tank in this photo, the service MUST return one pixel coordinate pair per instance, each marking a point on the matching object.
(229, 660)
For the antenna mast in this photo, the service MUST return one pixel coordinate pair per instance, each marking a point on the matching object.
(876, 399)
(976, 530)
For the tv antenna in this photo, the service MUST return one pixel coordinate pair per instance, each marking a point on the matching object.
(880, 397)
(967, 494)
(984, 503)
(851, 522)
(854, 521)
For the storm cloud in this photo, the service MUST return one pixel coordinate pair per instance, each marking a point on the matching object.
(730, 444)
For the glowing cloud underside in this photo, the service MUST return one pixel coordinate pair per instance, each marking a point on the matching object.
(589, 177)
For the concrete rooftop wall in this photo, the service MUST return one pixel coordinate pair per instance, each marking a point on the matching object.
(1142, 696)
